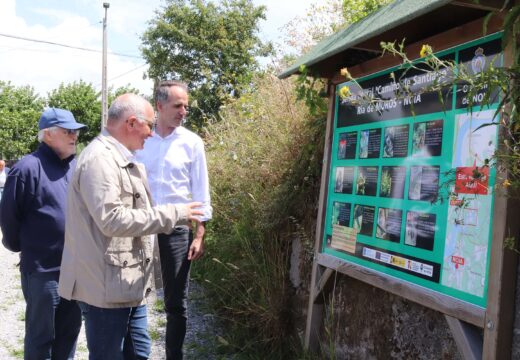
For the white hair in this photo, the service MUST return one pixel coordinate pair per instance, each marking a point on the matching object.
(41, 133)
(127, 104)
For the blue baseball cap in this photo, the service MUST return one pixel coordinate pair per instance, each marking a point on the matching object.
(59, 117)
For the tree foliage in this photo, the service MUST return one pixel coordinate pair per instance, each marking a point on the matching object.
(322, 19)
(82, 100)
(355, 10)
(20, 109)
(112, 94)
(210, 46)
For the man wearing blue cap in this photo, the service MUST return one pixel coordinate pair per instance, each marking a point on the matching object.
(32, 219)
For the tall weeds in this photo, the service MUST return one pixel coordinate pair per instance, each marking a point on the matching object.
(264, 159)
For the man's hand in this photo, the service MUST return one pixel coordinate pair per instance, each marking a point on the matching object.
(197, 245)
(196, 249)
(193, 212)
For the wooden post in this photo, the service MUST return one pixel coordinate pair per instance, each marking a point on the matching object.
(498, 332)
(468, 338)
(319, 276)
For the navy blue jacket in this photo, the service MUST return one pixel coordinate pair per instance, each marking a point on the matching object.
(32, 209)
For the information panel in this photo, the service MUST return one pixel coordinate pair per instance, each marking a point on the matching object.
(409, 193)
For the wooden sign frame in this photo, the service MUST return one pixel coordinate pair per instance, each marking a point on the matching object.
(466, 321)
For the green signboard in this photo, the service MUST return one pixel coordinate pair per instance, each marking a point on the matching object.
(409, 193)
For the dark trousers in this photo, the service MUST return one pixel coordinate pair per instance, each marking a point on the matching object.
(52, 324)
(175, 268)
(116, 334)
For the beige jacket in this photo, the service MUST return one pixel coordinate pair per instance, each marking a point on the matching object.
(107, 257)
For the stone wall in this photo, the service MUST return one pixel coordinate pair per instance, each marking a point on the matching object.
(515, 349)
(363, 322)
(368, 323)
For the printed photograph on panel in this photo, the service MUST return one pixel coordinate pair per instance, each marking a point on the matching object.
(363, 144)
(347, 145)
(418, 139)
(388, 148)
(358, 217)
(420, 230)
(364, 219)
(392, 182)
(396, 141)
(424, 183)
(366, 183)
(427, 138)
(338, 184)
(411, 229)
(414, 192)
(389, 224)
(341, 213)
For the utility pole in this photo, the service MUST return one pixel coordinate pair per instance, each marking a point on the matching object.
(104, 90)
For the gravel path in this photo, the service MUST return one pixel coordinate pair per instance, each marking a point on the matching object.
(199, 338)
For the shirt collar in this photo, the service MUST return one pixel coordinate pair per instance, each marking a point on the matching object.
(179, 130)
(127, 154)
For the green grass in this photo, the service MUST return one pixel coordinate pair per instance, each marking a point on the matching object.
(81, 348)
(21, 316)
(161, 322)
(155, 334)
(16, 352)
(264, 162)
(158, 305)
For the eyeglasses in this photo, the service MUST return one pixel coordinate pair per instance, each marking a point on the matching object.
(150, 123)
(71, 131)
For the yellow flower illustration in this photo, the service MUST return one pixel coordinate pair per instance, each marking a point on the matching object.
(344, 72)
(506, 183)
(344, 92)
(426, 50)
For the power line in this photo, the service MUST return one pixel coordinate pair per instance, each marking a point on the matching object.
(64, 45)
(123, 74)
(128, 72)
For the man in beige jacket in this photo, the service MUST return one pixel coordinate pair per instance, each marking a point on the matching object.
(107, 257)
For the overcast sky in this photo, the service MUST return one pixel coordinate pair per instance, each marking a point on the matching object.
(79, 23)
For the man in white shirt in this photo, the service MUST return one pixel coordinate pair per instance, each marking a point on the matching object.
(175, 162)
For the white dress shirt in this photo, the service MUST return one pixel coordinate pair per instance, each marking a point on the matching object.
(176, 169)
(3, 176)
(127, 154)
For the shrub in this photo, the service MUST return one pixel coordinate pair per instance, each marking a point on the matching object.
(264, 159)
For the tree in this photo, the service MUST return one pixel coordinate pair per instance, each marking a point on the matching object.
(210, 46)
(302, 33)
(20, 109)
(355, 10)
(112, 94)
(83, 101)
(323, 19)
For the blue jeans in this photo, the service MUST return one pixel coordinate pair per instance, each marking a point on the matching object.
(52, 324)
(116, 334)
(175, 268)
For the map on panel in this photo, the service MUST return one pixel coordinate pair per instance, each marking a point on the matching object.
(469, 212)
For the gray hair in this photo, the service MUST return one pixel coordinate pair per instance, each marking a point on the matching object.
(41, 133)
(126, 105)
(163, 89)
